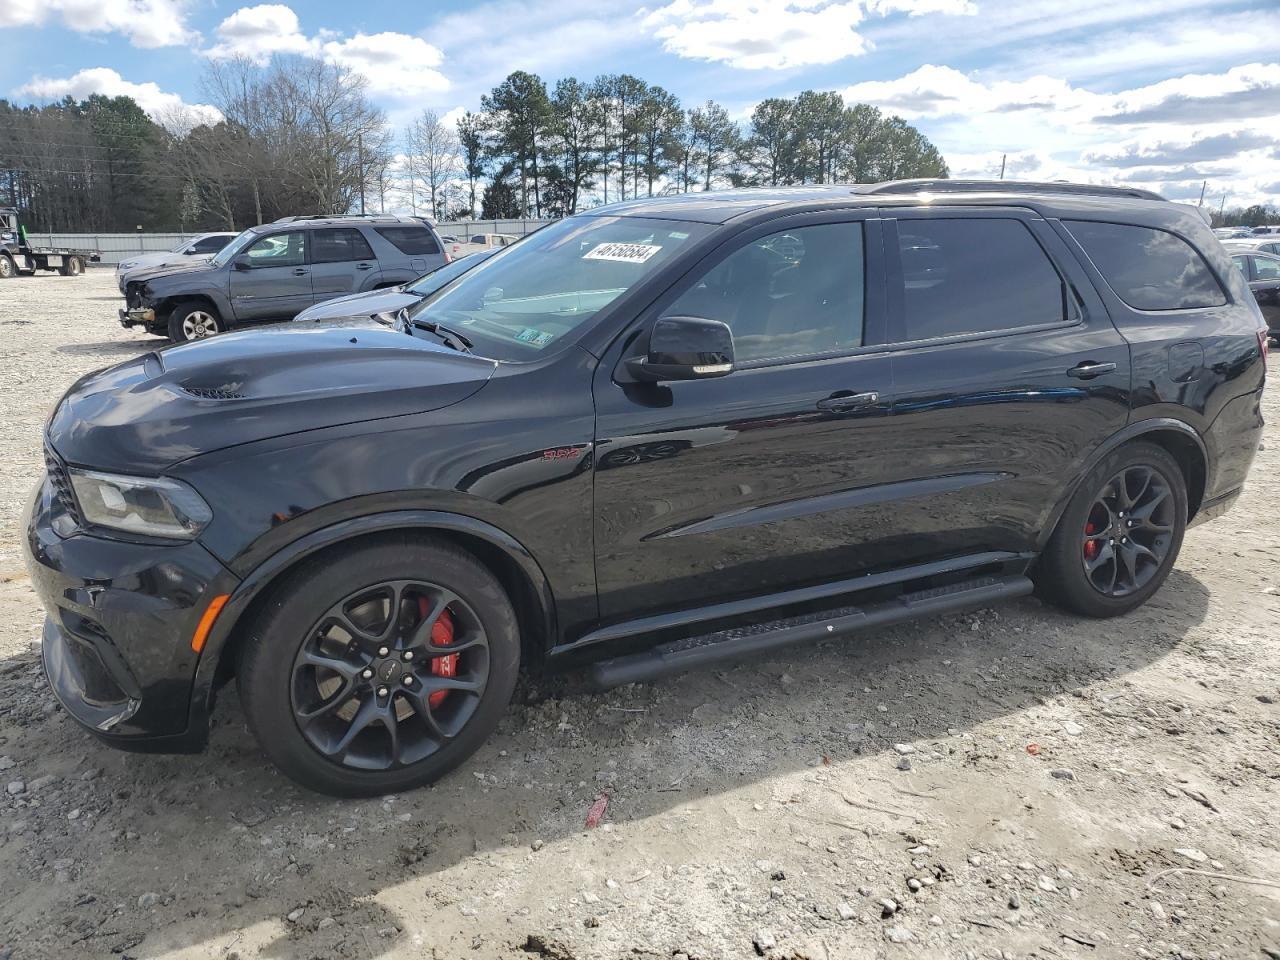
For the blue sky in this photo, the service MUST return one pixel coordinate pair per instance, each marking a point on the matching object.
(1157, 93)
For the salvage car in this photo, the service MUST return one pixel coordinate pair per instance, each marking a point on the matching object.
(1262, 271)
(275, 271)
(652, 436)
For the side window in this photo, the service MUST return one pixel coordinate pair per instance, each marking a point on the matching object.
(790, 294)
(1264, 268)
(339, 245)
(210, 244)
(278, 250)
(1241, 264)
(478, 238)
(1148, 269)
(976, 275)
(1273, 248)
(411, 241)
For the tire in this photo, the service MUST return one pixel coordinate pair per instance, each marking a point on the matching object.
(1141, 529)
(193, 320)
(8, 269)
(71, 267)
(303, 714)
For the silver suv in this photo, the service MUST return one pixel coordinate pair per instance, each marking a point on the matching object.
(274, 271)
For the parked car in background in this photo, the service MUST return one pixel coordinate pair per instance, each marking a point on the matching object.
(1262, 271)
(196, 250)
(661, 434)
(1268, 230)
(480, 241)
(1231, 233)
(275, 271)
(1269, 245)
(383, 305)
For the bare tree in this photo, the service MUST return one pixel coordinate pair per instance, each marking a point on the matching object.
(432, 153)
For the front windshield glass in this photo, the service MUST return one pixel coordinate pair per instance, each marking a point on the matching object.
(234, 247)
(520, 303)
(426, 285)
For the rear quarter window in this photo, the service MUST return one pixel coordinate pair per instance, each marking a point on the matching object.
(411, 241)
(1149, 269)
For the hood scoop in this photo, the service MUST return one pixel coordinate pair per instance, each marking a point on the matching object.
(230, 391)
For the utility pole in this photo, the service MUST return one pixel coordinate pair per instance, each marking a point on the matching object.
(1222, 205)
(1203, 187)
(1003, 158)
(360, 150)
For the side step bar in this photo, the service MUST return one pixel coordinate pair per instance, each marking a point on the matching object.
(741, 642)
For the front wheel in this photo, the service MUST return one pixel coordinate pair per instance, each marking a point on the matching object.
(194, 320)
(1119, 536)
(380, 668)
(7, 267)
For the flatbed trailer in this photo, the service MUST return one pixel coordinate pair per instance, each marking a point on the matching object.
(18, 257)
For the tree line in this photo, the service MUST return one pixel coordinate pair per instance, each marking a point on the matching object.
(301, 136)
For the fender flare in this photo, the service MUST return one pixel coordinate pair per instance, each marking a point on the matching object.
(260, 577)
(1133, 431)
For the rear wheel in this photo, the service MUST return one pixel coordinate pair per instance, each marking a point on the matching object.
(380, 669)
(194, 320)
(71, 267)
(1119, 536)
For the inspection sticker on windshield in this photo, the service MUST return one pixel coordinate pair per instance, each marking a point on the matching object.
(625, 252)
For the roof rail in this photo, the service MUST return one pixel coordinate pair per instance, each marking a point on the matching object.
(338, 216)
(1007, 186)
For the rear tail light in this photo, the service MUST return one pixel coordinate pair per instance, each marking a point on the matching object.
(1264, 342)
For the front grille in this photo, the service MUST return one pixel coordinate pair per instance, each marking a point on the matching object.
(61, 483)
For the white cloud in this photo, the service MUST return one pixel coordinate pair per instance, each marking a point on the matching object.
(776, 34)
(165, 108)
(259, 32)
(147, 23)
(393, 63)
(1170, 136)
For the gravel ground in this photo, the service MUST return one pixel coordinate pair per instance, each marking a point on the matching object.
(1008, 783)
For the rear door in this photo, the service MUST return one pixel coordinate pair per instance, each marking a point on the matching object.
(1007, 371)
(1264, 281)
(272, 278)
(341, 262)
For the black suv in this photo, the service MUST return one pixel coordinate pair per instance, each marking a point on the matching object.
(659, 434)
(275, 271)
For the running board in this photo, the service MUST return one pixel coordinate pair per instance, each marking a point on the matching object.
(741, 642)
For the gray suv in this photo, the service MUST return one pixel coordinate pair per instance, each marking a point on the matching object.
(274, 271)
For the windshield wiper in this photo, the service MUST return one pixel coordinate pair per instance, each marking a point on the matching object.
(450, 338)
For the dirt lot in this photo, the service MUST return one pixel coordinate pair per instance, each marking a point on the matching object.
(876, 796)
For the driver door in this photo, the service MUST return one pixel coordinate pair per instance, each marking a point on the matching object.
(715, 489)
(272, 278)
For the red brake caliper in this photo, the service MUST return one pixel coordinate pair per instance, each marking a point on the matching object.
(441, 636)
(1091, 547)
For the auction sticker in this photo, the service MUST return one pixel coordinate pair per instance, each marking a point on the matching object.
(624, 252)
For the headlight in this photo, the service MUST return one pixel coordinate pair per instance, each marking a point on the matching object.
(153, 507)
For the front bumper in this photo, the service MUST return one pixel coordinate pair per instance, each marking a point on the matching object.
(117, 639)
(139, 316)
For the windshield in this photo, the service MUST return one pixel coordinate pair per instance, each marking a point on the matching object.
(234, 247)
(428, 284)
(517, 305)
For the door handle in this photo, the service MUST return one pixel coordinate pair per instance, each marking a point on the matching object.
(364, 266)
(300, 272)
(846, 400)
(1090, 369)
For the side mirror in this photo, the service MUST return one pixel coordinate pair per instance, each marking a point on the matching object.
(685, 348)
(241, 263)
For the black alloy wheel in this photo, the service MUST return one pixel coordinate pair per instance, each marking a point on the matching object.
(389, 674)
(1129, 531)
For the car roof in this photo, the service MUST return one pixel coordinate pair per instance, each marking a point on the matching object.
(1050, 199)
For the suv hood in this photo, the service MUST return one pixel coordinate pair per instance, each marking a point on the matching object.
(144, 273)
(146, 415)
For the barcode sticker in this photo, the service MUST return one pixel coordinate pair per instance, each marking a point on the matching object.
(624, 252)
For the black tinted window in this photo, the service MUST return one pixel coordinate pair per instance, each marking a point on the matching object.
(339, 245)
(793, 293)
(974, 276)
(210, 244)
(414, 241)
(1148, 269)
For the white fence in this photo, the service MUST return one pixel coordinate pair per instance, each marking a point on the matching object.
(114, 247)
